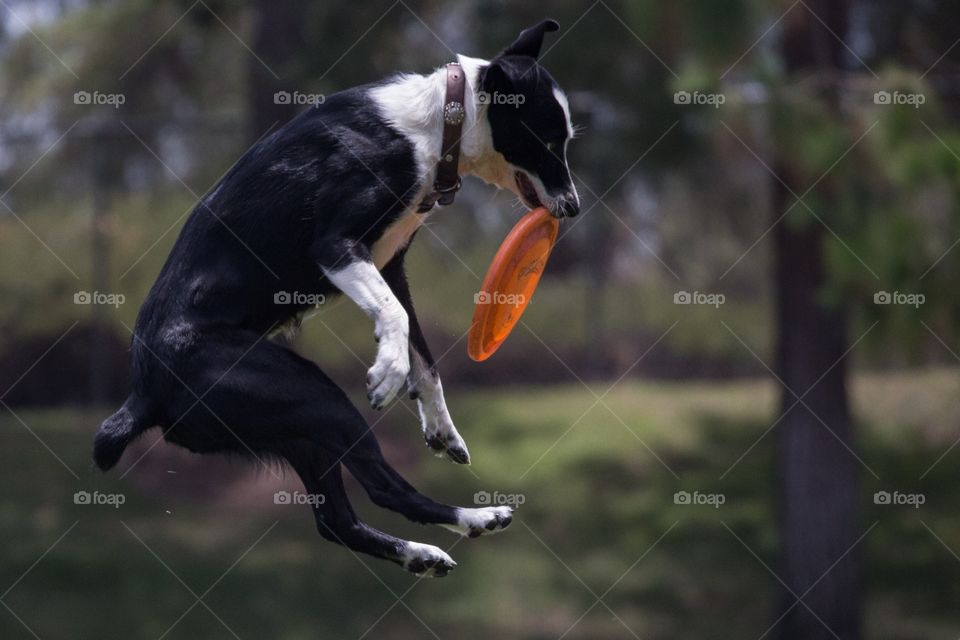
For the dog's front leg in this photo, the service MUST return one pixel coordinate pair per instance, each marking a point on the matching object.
(354, 273)
(438, 429)
(424, 381)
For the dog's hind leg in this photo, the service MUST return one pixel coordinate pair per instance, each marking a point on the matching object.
(261, 398)
(353, 442)
(323, 414)
(388, 489)
(337, 522)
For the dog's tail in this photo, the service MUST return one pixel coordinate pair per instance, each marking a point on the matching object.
(116, 433)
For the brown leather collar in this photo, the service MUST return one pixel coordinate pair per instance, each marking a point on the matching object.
(447, 182)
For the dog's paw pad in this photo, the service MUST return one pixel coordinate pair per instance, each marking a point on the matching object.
(427, 561)
(435, 442)
(460, 455)
(450, 446)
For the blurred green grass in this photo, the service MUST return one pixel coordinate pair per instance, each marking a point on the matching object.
(597, 480)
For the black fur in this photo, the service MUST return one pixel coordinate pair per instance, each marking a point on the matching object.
(530, 40)
(114, 435)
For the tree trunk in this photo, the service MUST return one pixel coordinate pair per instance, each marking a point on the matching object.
(817, 474)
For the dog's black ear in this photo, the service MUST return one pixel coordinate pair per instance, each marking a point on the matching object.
(530, 40)
(495, 79)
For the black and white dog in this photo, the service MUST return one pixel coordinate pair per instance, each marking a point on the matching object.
(328, 204)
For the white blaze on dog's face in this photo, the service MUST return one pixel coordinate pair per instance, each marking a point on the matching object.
(529, 120)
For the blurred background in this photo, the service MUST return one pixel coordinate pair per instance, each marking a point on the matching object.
(730, 411)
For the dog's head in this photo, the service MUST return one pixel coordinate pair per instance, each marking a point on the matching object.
(529, 122)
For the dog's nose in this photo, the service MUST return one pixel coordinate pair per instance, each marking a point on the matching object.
(569, 205)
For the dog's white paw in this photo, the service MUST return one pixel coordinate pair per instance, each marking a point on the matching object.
(426, 561)
(473, 523)
(388, 374)
(442, 436)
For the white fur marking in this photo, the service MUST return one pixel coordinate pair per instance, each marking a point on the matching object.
(561, 98)
(476, 521)
(435, 418)
(413, 105)
(429, 555)
(362, 283)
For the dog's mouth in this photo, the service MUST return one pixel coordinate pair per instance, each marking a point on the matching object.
(528, 193)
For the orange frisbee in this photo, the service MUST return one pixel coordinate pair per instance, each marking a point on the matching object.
(510, 282)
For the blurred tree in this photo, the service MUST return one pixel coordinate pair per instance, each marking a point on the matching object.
(816, 467)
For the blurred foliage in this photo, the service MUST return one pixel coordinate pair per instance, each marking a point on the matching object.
(676, 197)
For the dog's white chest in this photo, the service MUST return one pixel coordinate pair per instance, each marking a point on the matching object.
(395, 237)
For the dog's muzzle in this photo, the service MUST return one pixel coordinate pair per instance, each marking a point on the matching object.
(568, 205)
